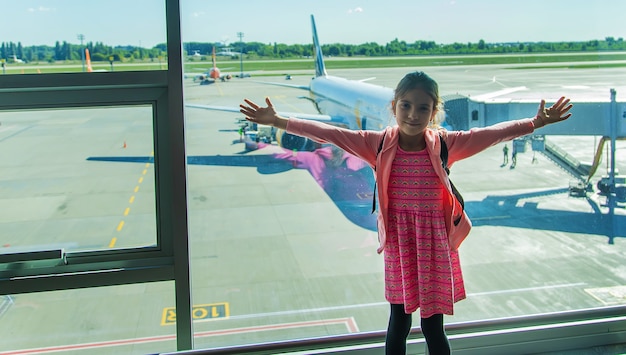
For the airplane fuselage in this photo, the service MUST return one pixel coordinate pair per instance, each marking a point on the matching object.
(353, 104)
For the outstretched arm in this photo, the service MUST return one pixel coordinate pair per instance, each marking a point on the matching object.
(555, 113)
(263, 115)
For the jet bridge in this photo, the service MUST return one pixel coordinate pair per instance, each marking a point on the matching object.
(591, 118)
(606, 119)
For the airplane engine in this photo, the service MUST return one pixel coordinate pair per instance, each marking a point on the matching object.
(293, 142)
(200, 78)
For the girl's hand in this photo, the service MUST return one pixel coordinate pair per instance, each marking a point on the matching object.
(555, 113)
(261, 115)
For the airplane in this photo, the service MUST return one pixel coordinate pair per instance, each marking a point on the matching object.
(342, 102)
(227, 52)
(88, 65)
(212, 75)
(16, 59)
(88, 61)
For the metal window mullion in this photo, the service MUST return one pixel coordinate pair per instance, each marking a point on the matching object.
(172, 182)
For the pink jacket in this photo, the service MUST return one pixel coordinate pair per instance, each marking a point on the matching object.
(461, 144)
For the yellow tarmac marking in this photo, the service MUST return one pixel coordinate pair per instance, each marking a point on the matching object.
(198, 312)
(609, 296)
(120, 226)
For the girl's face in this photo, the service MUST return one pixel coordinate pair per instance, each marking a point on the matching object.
(414, 111)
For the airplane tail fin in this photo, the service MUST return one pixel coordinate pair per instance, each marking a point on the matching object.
(318, 56)
(88, 60)
(213, 59)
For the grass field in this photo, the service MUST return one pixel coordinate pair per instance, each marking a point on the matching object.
(516, 61)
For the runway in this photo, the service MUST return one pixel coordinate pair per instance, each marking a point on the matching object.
(282, 243)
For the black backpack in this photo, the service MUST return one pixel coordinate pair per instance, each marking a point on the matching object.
(444, 162)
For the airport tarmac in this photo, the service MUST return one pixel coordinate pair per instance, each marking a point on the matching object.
(277, 254)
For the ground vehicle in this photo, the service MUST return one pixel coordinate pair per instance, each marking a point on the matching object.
(620, 186)
(579, 188)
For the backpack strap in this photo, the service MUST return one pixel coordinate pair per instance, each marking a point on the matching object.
(444, 154)
(444, 163)
(380, 147)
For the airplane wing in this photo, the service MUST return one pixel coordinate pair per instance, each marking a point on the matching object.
(302, 87)
(495, 94)
(293, 86)
(307, 116)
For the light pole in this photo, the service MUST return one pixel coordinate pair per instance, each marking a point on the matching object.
(240, 35)
(81, 37)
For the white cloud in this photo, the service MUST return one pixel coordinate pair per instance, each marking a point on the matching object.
(40, 9)
(355, 10)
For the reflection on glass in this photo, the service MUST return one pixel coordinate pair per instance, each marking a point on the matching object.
(59, 188)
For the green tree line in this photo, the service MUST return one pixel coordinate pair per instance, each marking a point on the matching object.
(398, 48)
(64, 51)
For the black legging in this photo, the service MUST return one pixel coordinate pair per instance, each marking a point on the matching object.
(400, 326)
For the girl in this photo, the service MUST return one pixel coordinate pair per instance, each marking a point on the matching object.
(420, 222)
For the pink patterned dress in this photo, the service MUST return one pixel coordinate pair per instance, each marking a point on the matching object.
(420, 269)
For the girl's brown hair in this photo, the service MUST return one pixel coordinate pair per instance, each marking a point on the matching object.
(420, 80)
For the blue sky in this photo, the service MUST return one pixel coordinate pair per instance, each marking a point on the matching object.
(141, 22)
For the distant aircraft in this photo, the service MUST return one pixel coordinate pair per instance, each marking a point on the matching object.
(227, 52)
(88, 61)
(16, 59)
(212, 75)
(89, 68)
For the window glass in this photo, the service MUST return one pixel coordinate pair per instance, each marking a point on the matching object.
(129, 319)
(285, 236)
(77, 179)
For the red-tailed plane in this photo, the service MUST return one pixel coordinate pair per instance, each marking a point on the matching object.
(212, 75)
(88, 61)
